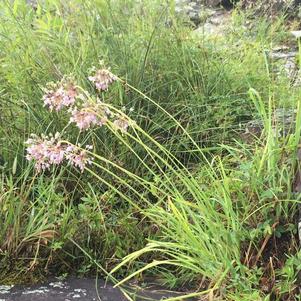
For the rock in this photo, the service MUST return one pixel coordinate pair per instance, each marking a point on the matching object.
(190, 8)
(296, 34)
(285, 61)
(79, 289)
(198, 10)
(32, 3)
(216, 24)
(212, 3)
(271, 7)
(283, 123)
(217, 3)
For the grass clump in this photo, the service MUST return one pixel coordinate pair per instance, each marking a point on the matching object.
(176, 189)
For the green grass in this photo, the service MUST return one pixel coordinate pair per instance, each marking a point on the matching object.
(181, 197)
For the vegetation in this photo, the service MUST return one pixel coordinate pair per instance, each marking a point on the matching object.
(177, 189)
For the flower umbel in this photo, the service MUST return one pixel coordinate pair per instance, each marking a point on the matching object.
(46, 151)
(121, 124)
(50, 150)
(102, 79)
(77, 157)
(62, 94)
(90, 115)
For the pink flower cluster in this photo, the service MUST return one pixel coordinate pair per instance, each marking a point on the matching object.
(78, 157)
(102, 79)
(49, 150)
(60, 95)
(87, 114)
(90, 115)
(121, 124)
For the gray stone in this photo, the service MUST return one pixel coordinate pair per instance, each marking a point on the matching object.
(192, 9)
(196, 10)
(79, 289)
(272, 7)
(283, 123)
(286, 63)
(32, 2)
(216, 24)
(212, 3)
(296, 34)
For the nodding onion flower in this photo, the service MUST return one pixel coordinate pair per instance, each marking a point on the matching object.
(60, 95)
(47, 151)
(122, 124)
(50, 150)
(90, 115)
(102, 79)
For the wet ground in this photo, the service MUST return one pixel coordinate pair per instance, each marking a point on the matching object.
(79, 289)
